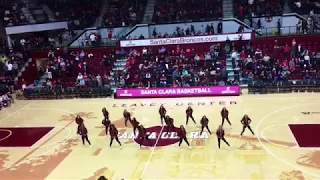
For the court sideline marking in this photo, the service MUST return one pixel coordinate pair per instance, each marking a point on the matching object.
(273, 154)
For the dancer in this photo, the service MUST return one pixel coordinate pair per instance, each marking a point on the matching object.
(143, 136)
(169, 122)
(225, 116)
(127, 117)
(162, 112)
(189, 113)
(106, 122)
(204, 124)
(83, 132)
(183, 136)
(246, 121)
(135, 125)
(105, 113)
(114, 135)
(220, 136)
(79, 120)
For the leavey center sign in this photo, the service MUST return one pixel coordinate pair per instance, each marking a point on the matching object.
(184, 40)
(233, 90)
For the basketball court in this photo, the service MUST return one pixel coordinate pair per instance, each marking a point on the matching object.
(38, 139)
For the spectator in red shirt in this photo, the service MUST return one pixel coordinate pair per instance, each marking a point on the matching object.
(286, 50)
(243, 55)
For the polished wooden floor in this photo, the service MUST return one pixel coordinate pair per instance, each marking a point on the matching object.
(272, 154)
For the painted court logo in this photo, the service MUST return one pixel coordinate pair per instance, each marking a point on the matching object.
(161, 138)
(308, 113)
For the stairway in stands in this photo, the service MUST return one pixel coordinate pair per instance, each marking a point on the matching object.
(119, 65)
(227, 7)
(49, 12)
(103, 11)
(286, 7)
(232, 71)
(26, 12)
(147, 18)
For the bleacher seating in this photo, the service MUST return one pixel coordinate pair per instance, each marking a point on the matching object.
(12, 14)
(88, 64)
(175, 66)
(256, 8)
(82, 13)
(284, 62)
(304, 6)
(182, 10)
(124, 12)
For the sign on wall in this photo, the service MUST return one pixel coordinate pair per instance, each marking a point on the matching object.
(184, 40)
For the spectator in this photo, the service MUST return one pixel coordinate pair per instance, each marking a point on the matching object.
(80, 80)
(93, 39)
(9, 68)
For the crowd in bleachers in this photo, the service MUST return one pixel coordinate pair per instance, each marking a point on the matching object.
(7, 73)
(257, 8)
(12, 13)
(81, 13)
(187, 66)
(280, 62)
(42, 40)
(183, 10)
(175, 67)
(6, 98)
(10, 65)
(304, 6)
(124, 13)
(78, 69)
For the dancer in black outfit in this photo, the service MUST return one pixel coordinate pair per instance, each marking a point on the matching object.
(162, 113)
(220, 136)
(106, 122)
(225, 116)
(127, 117)
(169, 122)
(189, 113)
(183, 135)
(204, 124)
(143, 136)
(246, 124)
(114, 134)
(83, 132)
(105, 113)
(135, 125)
